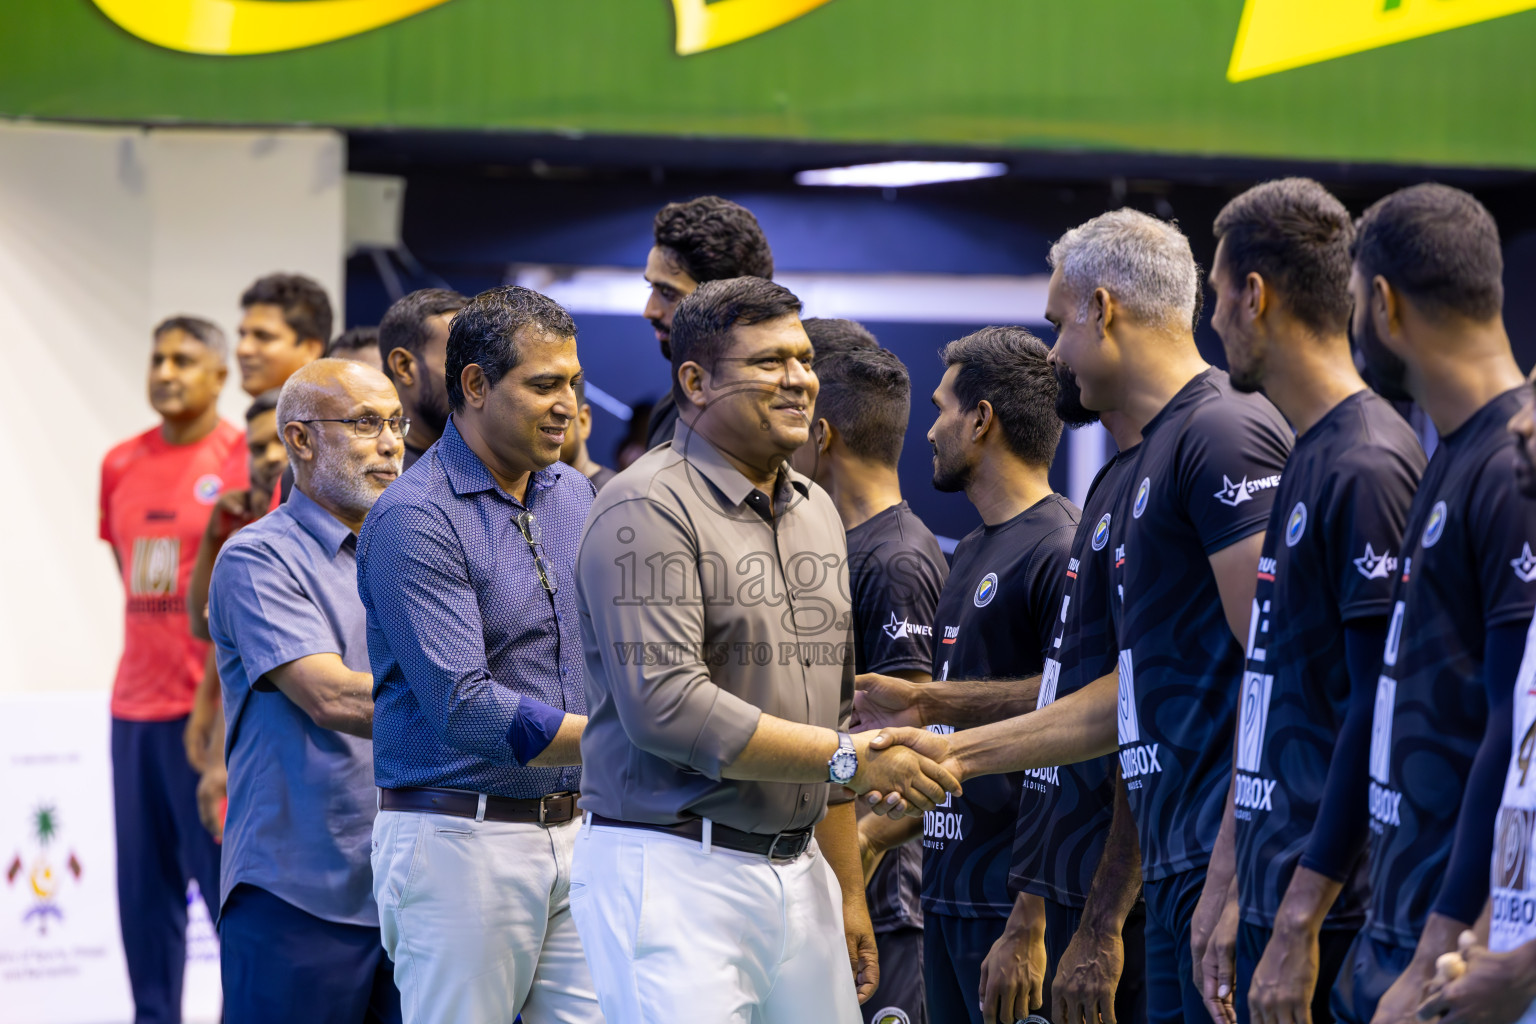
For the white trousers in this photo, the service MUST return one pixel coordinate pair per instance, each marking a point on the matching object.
(476, 916)
(676, 935)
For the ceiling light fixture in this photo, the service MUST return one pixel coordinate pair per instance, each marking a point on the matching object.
(900, 173)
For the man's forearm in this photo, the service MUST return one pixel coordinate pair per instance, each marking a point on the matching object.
(1306, 902)
(838, 836)
(565, 748)
(1077, 727)
(966, 704)
(1117, 879)
(784, 751)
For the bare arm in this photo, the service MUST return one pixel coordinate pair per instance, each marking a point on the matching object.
(565, 748)
(332, 695)
(1236, 570)
(1077, 727)
(881, 700)
(838, 836)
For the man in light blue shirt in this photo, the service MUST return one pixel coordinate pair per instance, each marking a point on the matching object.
(299, 929)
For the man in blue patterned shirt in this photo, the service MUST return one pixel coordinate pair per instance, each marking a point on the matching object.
(465, 568)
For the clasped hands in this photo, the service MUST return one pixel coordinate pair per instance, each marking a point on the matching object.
(889, 705)
(904, 771)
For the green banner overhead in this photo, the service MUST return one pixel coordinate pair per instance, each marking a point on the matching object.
(1447, 82)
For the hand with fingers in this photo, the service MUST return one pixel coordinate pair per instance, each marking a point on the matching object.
(1475, 986)
(932, 746)
(1013, 973)
(905, 766)
(1216, 972)
(881, 702)
(1087, 977)
(1285, 979)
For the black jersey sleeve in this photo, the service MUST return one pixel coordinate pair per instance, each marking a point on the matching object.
(1048, 584)
(1229, 470)
(1504, 521)
(1365, 520)
(897, 595)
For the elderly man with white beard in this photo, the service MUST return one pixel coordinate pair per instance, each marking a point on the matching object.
(298, 926)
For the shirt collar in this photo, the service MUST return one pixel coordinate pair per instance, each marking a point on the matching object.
(468, 475)
(702, 455)
(331, 532)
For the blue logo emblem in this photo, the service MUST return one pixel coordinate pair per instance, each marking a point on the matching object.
(1436, 525)
(1142, 493)
(207, 488)
(986, 590)
(1296, 525)
(1101, 533)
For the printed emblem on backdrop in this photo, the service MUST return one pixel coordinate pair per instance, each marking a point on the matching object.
(207, 488)
(41, 876)
(1436, 525)
(1373, 566)
(1101, 533)
(1525, 565)
(891, 1015)
(986, 590)
(1296, 525)
(1142, 493)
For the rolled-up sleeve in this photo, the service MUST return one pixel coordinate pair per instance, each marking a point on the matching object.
(415, 581)
(653, 658)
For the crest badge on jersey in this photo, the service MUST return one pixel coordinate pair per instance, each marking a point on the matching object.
(1101, 533)
(891, 1015)
(207, 488)
(1435, 526)
(1296, 525)
(1142, 494)
(986, 590)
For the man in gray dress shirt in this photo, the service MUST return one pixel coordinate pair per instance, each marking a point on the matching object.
(298, 928)
(711, 880)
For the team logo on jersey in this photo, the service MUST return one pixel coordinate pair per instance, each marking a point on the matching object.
(986, 590)
(1436, 525)
(1525, 565)
(896, 629)
(1234, 494)
(1101, 533)
(891, 1015)
(207, 488)
(1142, 493)
(1296, 525)
(1373, 566)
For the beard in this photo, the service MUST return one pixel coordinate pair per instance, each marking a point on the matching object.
(1386, 374)
(1069, 400)
(666, 343)
(346, 480)
(432, 406)
(1249, 378)
(949, 475)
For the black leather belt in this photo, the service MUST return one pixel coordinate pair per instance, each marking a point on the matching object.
(775, 846)
(547, 810)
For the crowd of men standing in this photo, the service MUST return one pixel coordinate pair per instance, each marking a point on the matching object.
(503, 732)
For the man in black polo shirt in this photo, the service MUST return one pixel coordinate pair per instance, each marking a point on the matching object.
(896, 571)
(1428, 291)
(1281, 278)
(1185, 538)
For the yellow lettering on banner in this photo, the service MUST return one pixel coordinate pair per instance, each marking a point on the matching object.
(231, 27)
(1277, 35)
(705, 26)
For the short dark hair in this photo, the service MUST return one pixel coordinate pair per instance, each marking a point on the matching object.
(1438, 246)
(1296, 236)
(701, 326)
(714, 239)
(306, 309)
(353, 339)
(867, 395)
(1006, 366)
(210, 334)
(405, 321)
(831, 336)
(264, 402)
(484, 333)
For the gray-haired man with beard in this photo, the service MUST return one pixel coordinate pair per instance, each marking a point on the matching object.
(299, 930)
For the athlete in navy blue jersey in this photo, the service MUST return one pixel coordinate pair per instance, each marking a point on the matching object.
(1185, 538)
(994, 438)
(896, 571)
(1281, 279)
(1428, 293)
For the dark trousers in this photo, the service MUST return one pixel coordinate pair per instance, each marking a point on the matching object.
(1370, 968)
(899, 999)
(161, 845)
(1333, 947)
(953, 949)
(1171, 992)
(279, 963)
(1061, 923)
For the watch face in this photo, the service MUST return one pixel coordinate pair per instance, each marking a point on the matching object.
(845, 764)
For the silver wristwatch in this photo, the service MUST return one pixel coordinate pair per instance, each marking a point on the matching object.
(844, 763)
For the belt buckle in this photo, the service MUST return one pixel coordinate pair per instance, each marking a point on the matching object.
(544, 805)
(773, 846)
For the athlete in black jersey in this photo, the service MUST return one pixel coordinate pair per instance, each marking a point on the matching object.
(1428, 293)
(1281, 279)
(896, 571)
(1185, 539)
(994, 438)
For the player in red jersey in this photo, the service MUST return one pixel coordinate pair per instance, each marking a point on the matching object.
(156, 492)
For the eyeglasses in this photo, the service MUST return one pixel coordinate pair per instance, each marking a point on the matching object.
(528, 526)
(372, 426)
